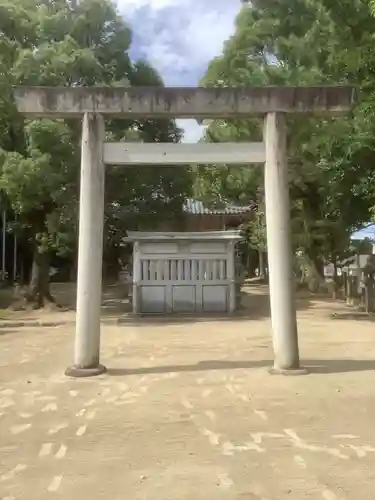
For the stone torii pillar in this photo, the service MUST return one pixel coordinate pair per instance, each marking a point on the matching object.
(90, 249)
(201, 103)
(280, 258)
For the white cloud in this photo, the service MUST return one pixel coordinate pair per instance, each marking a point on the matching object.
(153, 4)
(179, 38)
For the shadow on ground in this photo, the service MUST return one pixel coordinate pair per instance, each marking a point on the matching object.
(116, 306)
(4, 331)
(326, 366)
(254, 305)
(354, 315)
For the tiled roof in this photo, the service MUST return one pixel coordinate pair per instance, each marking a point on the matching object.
(195, 207)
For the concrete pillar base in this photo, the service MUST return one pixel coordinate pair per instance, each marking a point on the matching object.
(78, 372)
(289, 372)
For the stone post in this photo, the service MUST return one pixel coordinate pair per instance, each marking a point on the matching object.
(231, 270)
(280, 258)
(90, 250)
(136, 278)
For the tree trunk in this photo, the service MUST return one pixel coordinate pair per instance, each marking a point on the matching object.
(350, 291)
(315, 273)
(262, 271)
(251, 263)
(73, 271)
(335, 280)
(39, 287)
(369, 294)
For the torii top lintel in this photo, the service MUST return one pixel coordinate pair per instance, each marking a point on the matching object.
(164, 102)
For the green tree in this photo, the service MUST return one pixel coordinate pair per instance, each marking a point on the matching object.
(70, 43)
(311, 42)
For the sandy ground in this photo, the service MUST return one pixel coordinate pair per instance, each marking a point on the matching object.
(188, 411)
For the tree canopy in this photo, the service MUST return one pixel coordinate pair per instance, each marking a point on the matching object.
(306, 42)
(71, 43)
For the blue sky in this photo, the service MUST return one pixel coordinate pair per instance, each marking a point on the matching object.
(367, 232)
(179, 38)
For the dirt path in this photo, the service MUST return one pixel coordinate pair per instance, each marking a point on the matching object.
(189, 411)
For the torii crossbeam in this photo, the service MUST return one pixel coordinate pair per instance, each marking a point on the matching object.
(92, 104)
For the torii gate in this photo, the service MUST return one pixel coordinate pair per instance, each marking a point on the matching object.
(92, 104)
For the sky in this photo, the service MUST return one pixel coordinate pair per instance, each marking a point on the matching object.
(179, 38)
(367, 232)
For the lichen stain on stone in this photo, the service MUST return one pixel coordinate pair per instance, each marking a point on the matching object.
(187, 94)
(111, 98)
(154, 100)
(49, 98)
(75, 99)
(138, 99)
(217, 97)
(297, 101)
(162, 100)
(175, 98)
(334, 98)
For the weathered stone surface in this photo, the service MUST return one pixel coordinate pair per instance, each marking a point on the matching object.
(198, 102)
